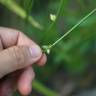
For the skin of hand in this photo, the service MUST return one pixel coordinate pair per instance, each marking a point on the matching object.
(17, 54)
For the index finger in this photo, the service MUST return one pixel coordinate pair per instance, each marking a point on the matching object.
(10, 37)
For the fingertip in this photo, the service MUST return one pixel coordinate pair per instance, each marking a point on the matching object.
(25, 81)
(42, 60)
(25, 90)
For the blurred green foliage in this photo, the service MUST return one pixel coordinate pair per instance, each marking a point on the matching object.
(75, 54)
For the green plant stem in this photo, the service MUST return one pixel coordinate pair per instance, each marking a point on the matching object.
(42, 89)
(14, 7)
(68, 32)
(58, 14)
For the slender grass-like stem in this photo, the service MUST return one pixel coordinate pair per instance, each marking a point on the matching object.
(47, 48)
(75, 26)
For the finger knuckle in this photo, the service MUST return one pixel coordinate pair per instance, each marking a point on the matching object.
(18, 56)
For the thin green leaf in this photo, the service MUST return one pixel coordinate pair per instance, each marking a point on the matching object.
(14, 7)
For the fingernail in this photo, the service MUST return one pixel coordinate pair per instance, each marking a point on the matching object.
(35, 51)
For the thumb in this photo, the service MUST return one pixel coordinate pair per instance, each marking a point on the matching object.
(18, 57)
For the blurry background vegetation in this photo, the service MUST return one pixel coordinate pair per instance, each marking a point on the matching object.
(71, 66)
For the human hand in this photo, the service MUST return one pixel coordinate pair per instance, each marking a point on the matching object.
(17, 54)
